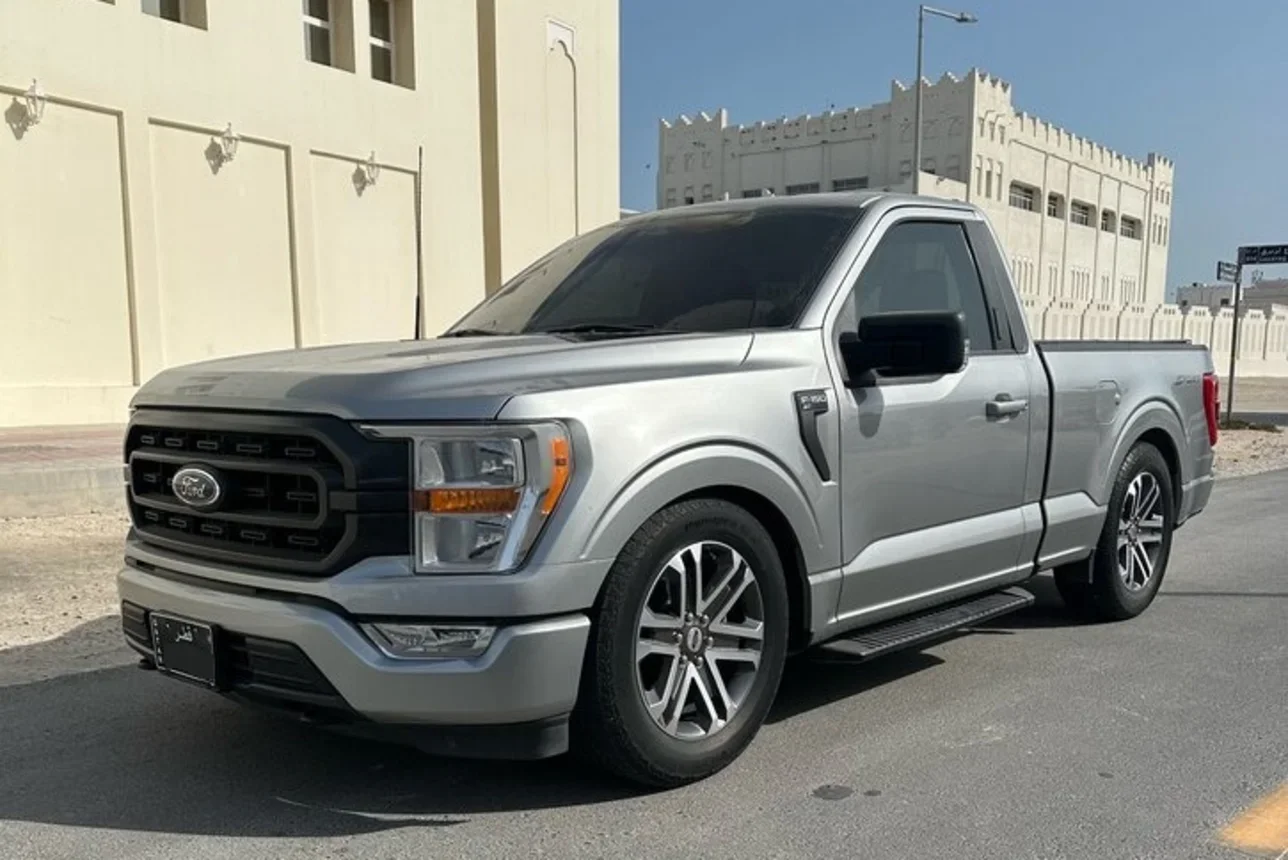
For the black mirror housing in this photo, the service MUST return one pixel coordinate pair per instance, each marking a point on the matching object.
(915, 343)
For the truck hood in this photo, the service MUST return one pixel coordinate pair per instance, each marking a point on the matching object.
(463, 379)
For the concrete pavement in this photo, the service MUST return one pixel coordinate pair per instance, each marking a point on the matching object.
(1035, 737)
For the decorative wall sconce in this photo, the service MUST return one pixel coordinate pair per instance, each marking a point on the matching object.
(365, 174)
(228, 142)
(370, 169)
(34, 101)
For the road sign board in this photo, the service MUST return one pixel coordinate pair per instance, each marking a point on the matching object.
(1262, 255)
(1228, 272)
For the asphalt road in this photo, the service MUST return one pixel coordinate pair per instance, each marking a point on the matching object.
(1034, 738)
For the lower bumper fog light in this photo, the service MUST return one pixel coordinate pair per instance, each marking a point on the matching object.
(430, 641)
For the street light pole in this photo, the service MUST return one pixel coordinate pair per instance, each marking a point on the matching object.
(1234, 341)
(922, 11)
(916, 120)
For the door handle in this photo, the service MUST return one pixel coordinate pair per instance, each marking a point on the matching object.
(1004, 406)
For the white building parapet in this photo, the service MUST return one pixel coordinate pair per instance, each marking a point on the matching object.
(1167, 323)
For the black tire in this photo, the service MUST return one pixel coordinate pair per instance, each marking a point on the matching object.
(1106, 596)
(611, 725)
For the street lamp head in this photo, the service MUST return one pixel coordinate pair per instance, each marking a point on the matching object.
(959, 17)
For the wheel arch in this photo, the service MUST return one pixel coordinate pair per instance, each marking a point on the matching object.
(1166, 446)
(745, 477)
(1157, 424)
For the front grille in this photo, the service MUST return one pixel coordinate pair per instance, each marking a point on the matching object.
(295, 495)
(259, 446)
(272, 542)
(298, 494)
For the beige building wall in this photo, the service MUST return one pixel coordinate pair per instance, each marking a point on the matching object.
(131, 244)
(550, 141)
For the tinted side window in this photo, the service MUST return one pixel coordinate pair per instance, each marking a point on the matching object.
(701, 270)
(924, 266)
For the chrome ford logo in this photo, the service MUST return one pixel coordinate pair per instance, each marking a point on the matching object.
(196, 487)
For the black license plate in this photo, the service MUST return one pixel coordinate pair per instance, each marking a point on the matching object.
(183, 648)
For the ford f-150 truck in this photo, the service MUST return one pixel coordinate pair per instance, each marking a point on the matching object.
(602, 510)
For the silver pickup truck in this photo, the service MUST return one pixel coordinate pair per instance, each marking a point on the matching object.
(602, 510)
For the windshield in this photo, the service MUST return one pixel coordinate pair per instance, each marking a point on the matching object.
(718, 270)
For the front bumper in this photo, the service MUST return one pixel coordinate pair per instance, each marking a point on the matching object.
(528, 675)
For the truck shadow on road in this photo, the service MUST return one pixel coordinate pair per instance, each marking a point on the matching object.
(811, 682)
(1048, 611)
(121, 749)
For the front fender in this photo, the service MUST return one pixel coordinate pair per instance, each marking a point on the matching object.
(691, 470)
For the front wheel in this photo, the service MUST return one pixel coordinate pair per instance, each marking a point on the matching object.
(688, 647)
(1135, 543)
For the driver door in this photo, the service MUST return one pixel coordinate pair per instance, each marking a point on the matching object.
(932, 469)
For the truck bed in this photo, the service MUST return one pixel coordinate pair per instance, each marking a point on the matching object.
(1107, 394)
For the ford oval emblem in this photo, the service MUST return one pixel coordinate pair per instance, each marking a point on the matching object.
(196, 487)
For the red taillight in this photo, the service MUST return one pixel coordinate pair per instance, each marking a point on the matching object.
(1212, 404)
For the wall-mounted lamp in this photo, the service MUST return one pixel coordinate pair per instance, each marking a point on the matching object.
(370, 169)
(34, 101)
(228, 142)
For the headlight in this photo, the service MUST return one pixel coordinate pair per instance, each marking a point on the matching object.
(480, 495)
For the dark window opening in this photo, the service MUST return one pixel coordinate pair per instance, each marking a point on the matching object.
(924, 266)
(691, 271)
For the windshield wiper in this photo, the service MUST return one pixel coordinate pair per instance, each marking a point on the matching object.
(476, 332)
(608, 328)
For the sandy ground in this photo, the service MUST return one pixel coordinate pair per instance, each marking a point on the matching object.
(57, 577)
(1249, 452)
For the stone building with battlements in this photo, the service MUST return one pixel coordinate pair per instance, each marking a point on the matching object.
(1086, 228)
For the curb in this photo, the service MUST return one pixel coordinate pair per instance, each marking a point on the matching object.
(67, 490)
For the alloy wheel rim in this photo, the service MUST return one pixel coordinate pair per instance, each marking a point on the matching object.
(1141, 527)
(699, 640)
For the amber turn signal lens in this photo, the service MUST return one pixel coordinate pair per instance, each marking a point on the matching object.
(467, 501)
(562, 459)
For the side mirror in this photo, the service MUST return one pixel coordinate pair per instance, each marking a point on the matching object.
(917, 343)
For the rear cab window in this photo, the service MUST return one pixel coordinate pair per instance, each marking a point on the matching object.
(1005, 307)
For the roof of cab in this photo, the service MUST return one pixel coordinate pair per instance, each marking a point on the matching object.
(830, 200)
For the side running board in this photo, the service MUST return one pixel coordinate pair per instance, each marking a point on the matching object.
(927, 627)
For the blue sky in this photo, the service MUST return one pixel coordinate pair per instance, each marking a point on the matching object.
(1204, 82)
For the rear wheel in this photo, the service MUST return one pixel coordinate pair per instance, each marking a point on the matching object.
(1135, 544)
(688, 648)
